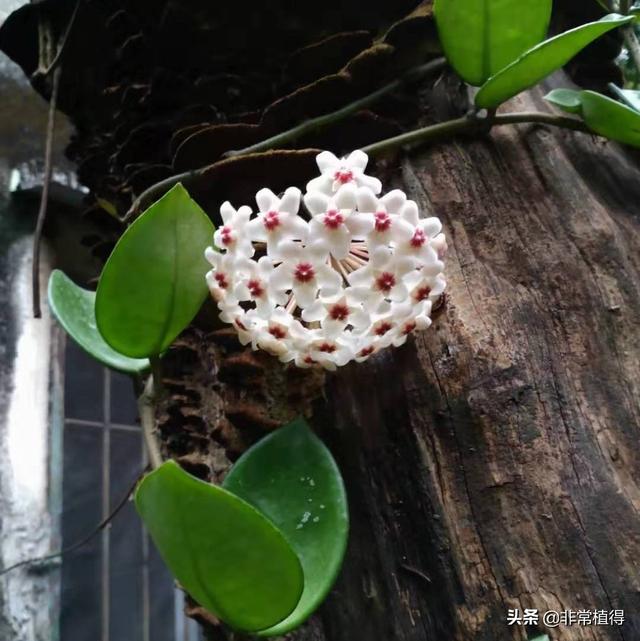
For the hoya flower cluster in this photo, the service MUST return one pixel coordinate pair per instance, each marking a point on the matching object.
(331, 277)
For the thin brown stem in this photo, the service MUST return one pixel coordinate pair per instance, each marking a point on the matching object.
(78, 544)
(44, 197)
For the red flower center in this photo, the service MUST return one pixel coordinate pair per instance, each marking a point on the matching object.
(366, 351)
(333, 219)
(409, 326)
(339, 312)
(255, 288)
(328, 348)
(221, 279)
(304, 272)
(309, 361)
(277, 331)
(383, 221)
(226, 235)
(422, 293)
(382, 328)
(343, 176)
(385, 281)
(240, 324)
(418, 239)
(271, 220)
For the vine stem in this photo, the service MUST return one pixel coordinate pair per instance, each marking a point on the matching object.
(314, 124)
(321, 122)
(82, 542)
(471, 124)
(146, 409)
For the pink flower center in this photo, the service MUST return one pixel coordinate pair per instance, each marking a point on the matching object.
(255, 288)
(383, 221)
(327, 348)
(382, 328)
(422, 293)
(366, 351)
(385, 281)
(333, 219)
(221, 279)
(226, 235)
(304, 272)
(418, 239)
(271, 220)
(309, 361)
(343, 176)
(339, 312)
(277, 331)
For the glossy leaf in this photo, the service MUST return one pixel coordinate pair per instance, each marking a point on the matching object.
(292, 478)
(73, 306)
(630, 97)
(154, 281)
(566, 99)
(537, 63)
(603, 115)
(610, 119)
(480, 37)
(230, 558)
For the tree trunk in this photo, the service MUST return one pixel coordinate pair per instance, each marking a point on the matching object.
(492, 463)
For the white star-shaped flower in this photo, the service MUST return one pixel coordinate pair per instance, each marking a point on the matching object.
(388, 225)
(338, 172)
(304, 272)
(232, 236)
(277, 219)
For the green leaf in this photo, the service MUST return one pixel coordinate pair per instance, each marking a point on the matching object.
(230, 558)
(537, 63)
(604, 116)
(74, 309)
(610, 119)
(292, 478)
(630, 97)
(154, 281)
(566, 99)
(480, 37)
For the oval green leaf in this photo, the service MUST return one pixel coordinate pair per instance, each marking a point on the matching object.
(545, 58)
(566, 99)
(74, 307)
(154, 281)
(480, 37)
(230, 558)
(601, 114)
(610, 118)
(292, 478)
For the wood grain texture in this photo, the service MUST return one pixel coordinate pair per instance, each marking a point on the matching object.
(494, 462)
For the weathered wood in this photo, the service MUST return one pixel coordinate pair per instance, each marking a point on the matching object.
(494, 462)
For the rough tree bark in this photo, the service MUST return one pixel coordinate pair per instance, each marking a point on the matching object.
(493, 462)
